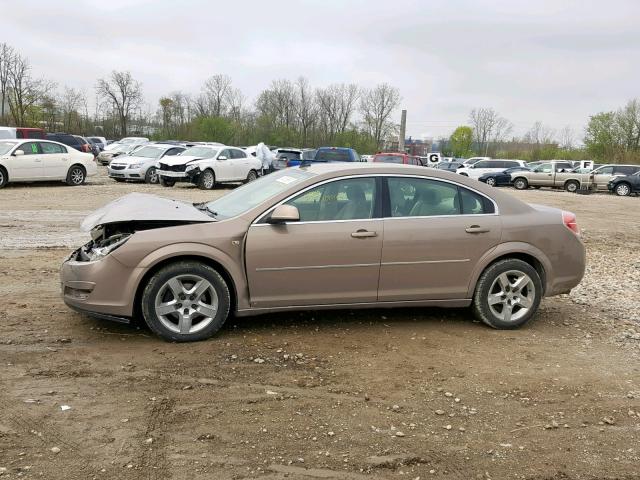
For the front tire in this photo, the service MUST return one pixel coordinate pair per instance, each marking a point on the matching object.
(207, 180)
(623, 189)
(186, 301)
(491, 181)
(521, 183)
(167, 182)
(151, 176)
(76, 176)
(572, 186)
(507, 294)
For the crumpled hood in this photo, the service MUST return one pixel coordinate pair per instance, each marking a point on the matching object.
(143, 207)
(180, 159)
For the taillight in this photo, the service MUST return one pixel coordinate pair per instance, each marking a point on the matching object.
(570, 221)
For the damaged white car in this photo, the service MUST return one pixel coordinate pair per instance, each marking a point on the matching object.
(206, 165)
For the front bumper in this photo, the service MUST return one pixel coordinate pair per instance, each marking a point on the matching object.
(127, 173)
(190, 176)
(104, 288)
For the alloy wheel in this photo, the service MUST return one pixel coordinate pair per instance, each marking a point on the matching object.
(153, 175)
(186, 304)
(511, 296)
(77, 176)
(622, 189)
(208, 180)
(491, 182)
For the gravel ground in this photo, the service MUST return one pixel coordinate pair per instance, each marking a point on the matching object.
(333, 395)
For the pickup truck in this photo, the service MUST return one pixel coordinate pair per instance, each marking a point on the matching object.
(330, 154)
(559, 175)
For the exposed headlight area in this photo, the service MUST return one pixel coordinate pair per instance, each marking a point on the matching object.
(135, 165)
(190, 167)
(100, 247)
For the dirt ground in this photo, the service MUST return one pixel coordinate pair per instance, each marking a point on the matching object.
(420, 393)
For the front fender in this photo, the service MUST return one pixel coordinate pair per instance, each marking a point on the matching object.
(505, 249)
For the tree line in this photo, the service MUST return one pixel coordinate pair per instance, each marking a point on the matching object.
(292, 113)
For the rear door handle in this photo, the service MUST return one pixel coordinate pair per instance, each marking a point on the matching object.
(476, 229)
(364, 234)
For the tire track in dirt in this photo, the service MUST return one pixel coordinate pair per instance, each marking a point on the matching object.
(152, 456)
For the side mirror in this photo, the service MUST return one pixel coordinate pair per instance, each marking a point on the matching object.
(222, 157)
(18, 153)
(285, 213)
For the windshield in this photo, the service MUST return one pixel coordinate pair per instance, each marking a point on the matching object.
(149, 152)
(388, 159)
(203, 152)
(244, 198)
(308, 154)
(5, 147)
(332, 156)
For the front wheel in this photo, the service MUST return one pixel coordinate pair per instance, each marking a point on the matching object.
(151, 176)
(464, 174)
(167, 182)
(207, 180)
(76, 176)
(186, 301)
(521, 184)
(623, 190)
(507, 294)
(491, 182)
(4, 179)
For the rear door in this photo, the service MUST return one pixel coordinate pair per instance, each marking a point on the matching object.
(241, 165)
(55, 160)
(224, 168)
(330, 256)
(435, 232)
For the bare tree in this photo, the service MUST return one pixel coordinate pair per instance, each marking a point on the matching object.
(7, 56)
(124, 93)
(488, 126)
(376, 106)
(214, 98)
(337, 104)
(566, 138)
(24, 92)
(628, 120)
(236, 104)
(306, 108)
(539, 134)
(71, 101)
(278, 103)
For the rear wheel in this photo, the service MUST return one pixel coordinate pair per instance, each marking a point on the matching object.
(508, 294)
(571, 186)
(151, 176)
(186, 301)
(167, 182)
(76, 175)
(4, 178)
(206, 180)
(623, 189)
(521, 183)
(253, 175)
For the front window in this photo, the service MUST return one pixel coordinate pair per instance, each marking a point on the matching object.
(202, 152)
(5, 147)
(149, 152)
(604, 171)
(252, 194)
(544, 168)
(349, 199)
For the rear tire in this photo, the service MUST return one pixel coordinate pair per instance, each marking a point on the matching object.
(521, 183)
(151, 176)
(623, 189)
(166, 182)
(76, 176)
(207, 180)
(186, 301)
(251, 176)
(572, 186)
(4, 177)
(508, 294)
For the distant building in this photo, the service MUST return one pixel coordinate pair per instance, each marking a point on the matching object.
(412, 146)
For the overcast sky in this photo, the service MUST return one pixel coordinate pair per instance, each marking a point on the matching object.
(557, 61)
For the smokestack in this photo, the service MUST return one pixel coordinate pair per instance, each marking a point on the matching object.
(403, 129)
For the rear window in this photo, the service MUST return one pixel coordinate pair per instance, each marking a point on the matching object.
(332, 156)
(388, 159)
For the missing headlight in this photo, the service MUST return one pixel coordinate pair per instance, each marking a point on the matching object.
(100, 248)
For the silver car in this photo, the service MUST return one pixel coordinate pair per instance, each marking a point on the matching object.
(141, 164)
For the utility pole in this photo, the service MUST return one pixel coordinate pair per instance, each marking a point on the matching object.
(403, 129)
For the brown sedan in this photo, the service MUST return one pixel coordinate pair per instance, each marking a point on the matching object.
(319, 237)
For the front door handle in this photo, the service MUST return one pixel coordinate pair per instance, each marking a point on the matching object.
(476, 229)
(364, 234)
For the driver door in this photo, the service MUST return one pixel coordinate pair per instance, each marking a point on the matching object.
(28, 166)
(331, 256)
(542, 175)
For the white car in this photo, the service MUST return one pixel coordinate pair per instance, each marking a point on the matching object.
(488, 166)
(473, 160)
(127, 141)
(141, 164)
(43, 160)
(206, 165)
